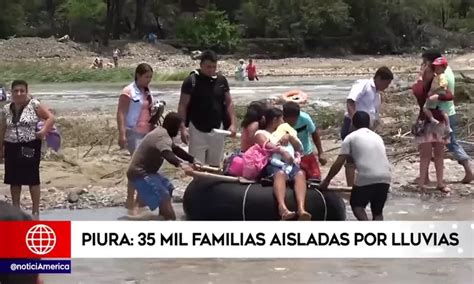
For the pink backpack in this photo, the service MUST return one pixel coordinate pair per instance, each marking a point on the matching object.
(233, 165)
(254, 161)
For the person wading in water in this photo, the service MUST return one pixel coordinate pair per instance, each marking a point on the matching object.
(366, 148)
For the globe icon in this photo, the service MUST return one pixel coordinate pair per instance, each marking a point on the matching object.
(40, 239)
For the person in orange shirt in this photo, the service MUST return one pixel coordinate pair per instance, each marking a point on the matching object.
(251, 71)
(133, 118)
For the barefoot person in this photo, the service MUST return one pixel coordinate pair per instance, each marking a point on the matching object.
(447, 106)
(154, 189)
(367, 150)
(133, 118)
(307, 134)
(21, 143)
(364, 96)
(205, 103)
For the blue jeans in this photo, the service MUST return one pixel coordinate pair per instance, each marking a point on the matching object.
(153, 189)
(270, 170)
(459, 154)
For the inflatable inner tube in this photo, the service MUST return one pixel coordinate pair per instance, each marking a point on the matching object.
(296, 96)
(211, 200)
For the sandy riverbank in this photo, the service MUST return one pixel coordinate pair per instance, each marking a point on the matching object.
(99, 179)
(92, 163)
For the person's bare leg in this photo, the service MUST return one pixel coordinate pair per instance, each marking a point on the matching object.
(131, 202)
(427, 176)
(166, 209)
(279, 189)
(425, 150)
(35, 193)
(377, 217)
(360, 213)
(439, 165)
(15, 191)
(350, 174)
(300, 194)
(140, 203)
(469, 177)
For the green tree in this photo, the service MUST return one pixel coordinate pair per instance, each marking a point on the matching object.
(84, 17)
(253, 17)
(209, 29)
(299, 19)
(12, 19)
(164, 13)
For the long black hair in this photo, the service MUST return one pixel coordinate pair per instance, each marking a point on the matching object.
(271, 114)
(255, 112)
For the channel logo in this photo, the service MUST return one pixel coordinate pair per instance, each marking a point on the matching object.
(34, 240)
(40, 239)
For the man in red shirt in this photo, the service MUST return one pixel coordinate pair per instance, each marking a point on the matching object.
(252, 71)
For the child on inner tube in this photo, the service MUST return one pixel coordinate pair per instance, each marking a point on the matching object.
(294, 144)
(264, 137)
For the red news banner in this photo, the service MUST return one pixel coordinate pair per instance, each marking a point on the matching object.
(34, 239)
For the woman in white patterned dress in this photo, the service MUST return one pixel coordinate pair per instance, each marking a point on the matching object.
(20, 141)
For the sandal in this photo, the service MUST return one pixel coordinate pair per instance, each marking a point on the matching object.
(287, 214)
(304, 216)
(444, 189)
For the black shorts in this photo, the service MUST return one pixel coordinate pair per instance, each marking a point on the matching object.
(375, 193)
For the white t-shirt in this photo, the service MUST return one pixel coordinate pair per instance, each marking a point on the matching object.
(368, 151)
(366, 98)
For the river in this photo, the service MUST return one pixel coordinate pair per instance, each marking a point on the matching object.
(278, 270)
(79, 98)
(67, 98)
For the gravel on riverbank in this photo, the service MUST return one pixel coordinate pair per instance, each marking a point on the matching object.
(92, 167)
(48, 54)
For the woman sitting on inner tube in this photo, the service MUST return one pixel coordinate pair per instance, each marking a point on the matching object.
(273, 118)
(254, 120)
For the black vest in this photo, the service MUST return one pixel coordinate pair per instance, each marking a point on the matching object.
(207, 108)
